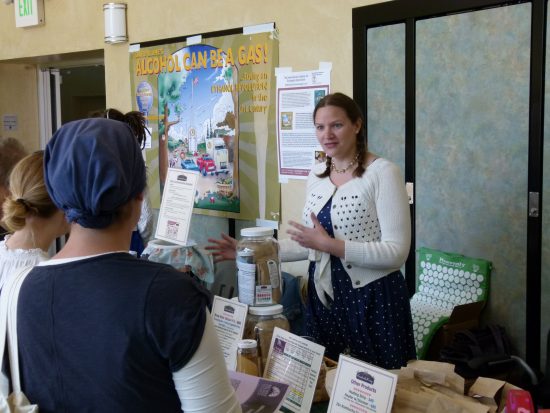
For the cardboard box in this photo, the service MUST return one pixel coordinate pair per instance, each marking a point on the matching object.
(434, 387)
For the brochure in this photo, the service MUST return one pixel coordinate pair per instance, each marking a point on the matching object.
(256, 394)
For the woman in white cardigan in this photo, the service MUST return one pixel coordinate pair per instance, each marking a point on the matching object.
(356, 234)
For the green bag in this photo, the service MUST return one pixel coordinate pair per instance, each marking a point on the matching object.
(444, 280)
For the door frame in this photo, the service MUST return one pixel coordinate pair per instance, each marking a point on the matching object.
(49, 103)
(48, 78)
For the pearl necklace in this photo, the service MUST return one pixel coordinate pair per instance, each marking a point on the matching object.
(343, 170)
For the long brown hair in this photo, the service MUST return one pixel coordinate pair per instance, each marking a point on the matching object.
(354, 114)
(11, 152)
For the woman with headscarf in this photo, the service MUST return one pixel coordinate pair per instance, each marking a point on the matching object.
(100, 330)
(143, 233)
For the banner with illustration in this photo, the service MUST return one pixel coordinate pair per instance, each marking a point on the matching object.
(210, 108)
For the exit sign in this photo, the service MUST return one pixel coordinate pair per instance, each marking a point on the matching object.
(28, 12)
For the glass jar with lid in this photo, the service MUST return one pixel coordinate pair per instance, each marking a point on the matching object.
(260, 323)
(259, 273)
(247, 357)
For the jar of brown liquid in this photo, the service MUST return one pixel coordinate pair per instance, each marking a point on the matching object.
(260, 323)
(259, 274)
(247, 357)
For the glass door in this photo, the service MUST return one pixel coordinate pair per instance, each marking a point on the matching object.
(472, 141)
(450, 92)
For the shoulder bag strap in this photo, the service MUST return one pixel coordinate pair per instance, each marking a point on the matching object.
(4, 382)
(10, 293)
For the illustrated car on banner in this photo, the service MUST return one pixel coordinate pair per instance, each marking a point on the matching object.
(206, 165)
(189, 164)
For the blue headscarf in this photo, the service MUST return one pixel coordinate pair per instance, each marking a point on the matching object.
(91, 168)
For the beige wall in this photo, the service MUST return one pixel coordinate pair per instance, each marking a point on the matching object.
(310, 31)
(18, 96)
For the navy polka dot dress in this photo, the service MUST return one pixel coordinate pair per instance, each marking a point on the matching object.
(372, 323)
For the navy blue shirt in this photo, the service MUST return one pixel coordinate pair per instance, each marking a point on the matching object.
(104, 334)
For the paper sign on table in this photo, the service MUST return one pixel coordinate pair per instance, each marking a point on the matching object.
(361, 387)
(296, 361)
(256, 394)
(176, 207)
(229, 317)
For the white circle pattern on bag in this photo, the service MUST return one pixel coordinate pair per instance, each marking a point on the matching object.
(441, 287)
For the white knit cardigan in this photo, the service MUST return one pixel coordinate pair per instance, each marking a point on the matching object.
(370, 213)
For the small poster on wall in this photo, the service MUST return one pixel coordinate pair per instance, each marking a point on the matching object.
(297, 95)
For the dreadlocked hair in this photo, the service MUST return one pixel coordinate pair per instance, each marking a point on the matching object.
(134, 119)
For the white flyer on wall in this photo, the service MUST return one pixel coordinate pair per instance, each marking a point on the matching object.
(297, 95)
(176, 207)
(229, 318)
(296, 361)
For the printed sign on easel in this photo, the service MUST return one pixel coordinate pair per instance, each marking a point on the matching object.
(176, 207)
(294, 360)
(229, 317)
(360, 386)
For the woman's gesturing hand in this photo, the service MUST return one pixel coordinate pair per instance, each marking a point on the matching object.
(314, 238)
(223, 249)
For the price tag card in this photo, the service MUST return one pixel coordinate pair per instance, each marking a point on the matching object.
(229, 318)
(361, 387)
(294, 360)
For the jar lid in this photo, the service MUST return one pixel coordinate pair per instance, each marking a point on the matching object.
(248, 343)
(266, 310)
(256, 232)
